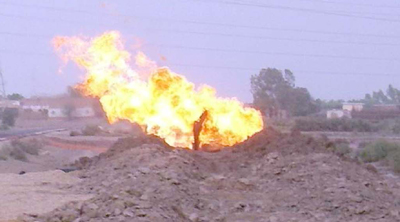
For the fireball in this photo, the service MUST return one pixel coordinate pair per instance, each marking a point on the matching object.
(162, 102)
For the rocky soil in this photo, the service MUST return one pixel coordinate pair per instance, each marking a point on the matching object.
(270, 177)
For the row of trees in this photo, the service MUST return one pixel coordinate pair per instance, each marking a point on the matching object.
(14, 96)
(391, 96)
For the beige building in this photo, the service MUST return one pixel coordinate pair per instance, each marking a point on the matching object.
(353, 106)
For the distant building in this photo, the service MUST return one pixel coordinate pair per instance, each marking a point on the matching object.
(35, 104)
(353, 106)
(9, 104)
(337, 114)
(64, 107)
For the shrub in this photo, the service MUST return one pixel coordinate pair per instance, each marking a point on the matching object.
(396, 128)
(4, 127)
(395, 161)
(91, 130)
(8, 116)
(4, 153)
(18, 154)
(378, 150)
(31, 146)
(382, 150)
(74, 133)
(17, 149)
(342, 149)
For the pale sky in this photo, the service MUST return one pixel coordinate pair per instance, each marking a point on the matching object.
(338, 49)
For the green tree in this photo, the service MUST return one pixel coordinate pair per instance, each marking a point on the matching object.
(393, 94)
(15, 96)
(9, 116)
(302, 102)
(273, 90)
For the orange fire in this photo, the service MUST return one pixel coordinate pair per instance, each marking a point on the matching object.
(163, 103)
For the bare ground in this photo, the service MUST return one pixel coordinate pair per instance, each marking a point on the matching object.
(271, 177)
(36, 193)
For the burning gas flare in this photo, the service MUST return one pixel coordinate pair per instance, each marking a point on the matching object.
(163, 103)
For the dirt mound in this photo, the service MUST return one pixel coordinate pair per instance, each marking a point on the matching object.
(270, 177)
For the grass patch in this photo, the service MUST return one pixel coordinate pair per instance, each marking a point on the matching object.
(382, 150)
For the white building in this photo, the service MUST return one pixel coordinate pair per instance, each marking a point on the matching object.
(337, 114)
(63, 107)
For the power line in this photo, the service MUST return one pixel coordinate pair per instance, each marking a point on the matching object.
(341, 13)
(302, 55)
(354, 4)
(307, 10)
(229, 35)
(319, 1)
(301, 71)
(274, 53)
(224, 67)
(187, 22)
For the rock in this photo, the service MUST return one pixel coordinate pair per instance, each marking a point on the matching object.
(193, 217)
(117, 212)
(141, 213)
(395, 213)
(144, 170)
(90, 210)
(273, 219)
(245, 181)
(128, 213)
(355, 198)
(272, 157)
(68, 215)
(145, 196)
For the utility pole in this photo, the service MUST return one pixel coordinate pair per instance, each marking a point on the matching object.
(2, 85)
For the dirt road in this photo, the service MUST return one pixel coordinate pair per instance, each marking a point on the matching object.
(36, 193)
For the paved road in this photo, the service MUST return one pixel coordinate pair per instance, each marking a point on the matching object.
(16, 133)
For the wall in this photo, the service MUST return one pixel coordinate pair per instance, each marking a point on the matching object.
(57, 113)
(84, 112)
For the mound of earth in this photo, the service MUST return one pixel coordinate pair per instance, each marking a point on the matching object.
(270, 177)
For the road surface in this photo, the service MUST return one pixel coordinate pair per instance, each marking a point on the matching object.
(18, 133)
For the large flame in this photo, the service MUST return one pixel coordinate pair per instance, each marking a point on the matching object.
(163, 103)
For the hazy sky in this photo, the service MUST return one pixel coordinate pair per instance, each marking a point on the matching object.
(336, 48)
